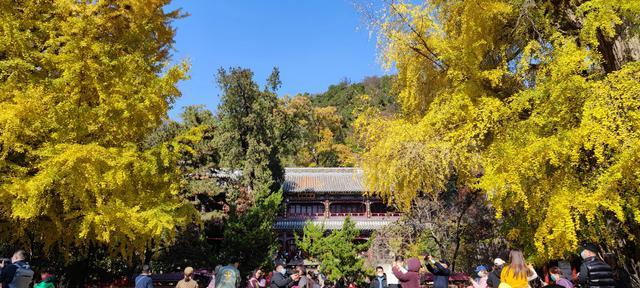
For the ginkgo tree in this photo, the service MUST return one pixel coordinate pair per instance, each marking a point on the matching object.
(535, 103)
(318, 141)
(83, 83)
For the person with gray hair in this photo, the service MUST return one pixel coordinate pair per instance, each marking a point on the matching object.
(18, 273)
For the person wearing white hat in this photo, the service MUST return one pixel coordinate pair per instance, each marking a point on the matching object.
(494, 277)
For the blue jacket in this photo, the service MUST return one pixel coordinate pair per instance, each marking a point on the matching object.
(144, 281)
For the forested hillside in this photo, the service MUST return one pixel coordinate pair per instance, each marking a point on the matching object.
(327, 120)
(347, 96)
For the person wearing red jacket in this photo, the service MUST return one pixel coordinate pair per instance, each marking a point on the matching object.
(411, 278)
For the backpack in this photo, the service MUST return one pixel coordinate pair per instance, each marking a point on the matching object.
(23, 276)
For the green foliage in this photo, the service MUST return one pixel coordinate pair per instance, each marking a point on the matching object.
(194, 139)
(250, 237)
(337, 252)
(254, 129)
(346, 97)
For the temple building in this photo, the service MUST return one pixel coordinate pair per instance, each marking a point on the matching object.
(327, 196)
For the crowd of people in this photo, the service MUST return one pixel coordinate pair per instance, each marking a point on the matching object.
(595, 272)
(517, 273)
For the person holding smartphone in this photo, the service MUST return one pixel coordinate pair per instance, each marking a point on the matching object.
(410, 278)
(440, 271)
(281, 279)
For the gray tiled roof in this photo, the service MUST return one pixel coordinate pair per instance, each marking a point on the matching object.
(323, 180)
(331, 224)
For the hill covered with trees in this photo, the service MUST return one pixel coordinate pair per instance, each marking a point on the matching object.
(327, 119)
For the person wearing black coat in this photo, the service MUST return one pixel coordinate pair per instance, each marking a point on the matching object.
(493, 280)
(280, 279)
(620, 275)
(594, 273)
(380, 280)
(440, 271)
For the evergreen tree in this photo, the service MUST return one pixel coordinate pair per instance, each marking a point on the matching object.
(253, 131)
(338, 252)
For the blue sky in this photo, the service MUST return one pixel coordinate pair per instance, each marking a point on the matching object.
(315, 43)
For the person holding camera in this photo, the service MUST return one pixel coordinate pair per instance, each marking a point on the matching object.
(440, 271)
(410, 278)
(281, 279)
(392, 281)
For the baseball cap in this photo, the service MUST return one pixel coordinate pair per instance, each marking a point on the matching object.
(481, 268)
(498, 262)
(591, 247)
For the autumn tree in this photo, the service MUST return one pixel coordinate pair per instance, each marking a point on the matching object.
(199, 160)
(455, 224)
(326, 119)
(533, 103)
(83, 83)
(319, 142)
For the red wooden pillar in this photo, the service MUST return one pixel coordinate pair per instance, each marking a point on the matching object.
(327, 211)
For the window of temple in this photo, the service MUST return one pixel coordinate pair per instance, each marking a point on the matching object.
(378, 208)
(347, 208)
(305, 209)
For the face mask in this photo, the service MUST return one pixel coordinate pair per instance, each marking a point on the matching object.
(480, 274)
(583, 254)
(380, 274)
(553, 278)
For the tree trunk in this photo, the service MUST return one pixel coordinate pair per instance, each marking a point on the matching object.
(622, 49)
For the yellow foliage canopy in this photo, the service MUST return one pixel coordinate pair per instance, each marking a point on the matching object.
(82, 84)
(319, 146)
(515, 99)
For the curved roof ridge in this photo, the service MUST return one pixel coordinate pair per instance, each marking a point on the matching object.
(324, 179)
(323, 169)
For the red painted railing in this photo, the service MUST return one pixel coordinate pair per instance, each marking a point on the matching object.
(343, 214)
